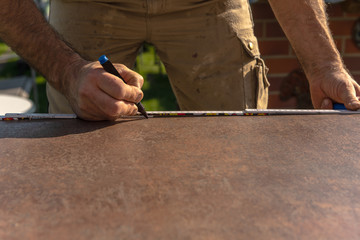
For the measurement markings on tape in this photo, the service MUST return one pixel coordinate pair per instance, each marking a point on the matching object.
(155, 114)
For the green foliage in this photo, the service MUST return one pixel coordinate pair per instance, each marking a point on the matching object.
(41, 88)
(3, 48)
(158, 95)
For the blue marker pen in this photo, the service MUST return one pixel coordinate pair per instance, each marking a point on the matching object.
(339, 106)
(109, 67)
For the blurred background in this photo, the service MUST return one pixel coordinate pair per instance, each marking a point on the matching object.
(289, 88)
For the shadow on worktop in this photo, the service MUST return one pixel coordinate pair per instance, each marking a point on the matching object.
(53, 128)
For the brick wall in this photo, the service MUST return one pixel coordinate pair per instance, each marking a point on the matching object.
(279, 56)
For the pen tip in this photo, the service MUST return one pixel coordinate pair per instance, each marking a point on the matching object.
(142, 110)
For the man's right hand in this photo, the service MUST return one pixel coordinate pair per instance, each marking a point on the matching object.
(95, 94)
(92, 93)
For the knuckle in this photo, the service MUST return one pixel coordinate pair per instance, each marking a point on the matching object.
(141, 79)
(135, 110)
(131, 110)
(122, 93)
(128, 109)
(113, 110)
(137, 80)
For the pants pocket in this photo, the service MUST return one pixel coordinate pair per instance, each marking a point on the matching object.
(258, 83)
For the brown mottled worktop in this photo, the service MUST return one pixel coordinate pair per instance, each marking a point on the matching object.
(268, 177)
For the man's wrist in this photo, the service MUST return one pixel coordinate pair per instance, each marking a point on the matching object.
(317, 70)
(66, 73)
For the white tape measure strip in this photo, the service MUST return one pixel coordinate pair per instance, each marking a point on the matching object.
(249, 112)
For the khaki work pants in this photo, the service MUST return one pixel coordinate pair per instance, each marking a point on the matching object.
(208, 47)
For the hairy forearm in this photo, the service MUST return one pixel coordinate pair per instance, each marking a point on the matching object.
(304, 23)
(26, 31)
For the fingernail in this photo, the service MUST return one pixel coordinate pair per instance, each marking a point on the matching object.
(139, 97)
